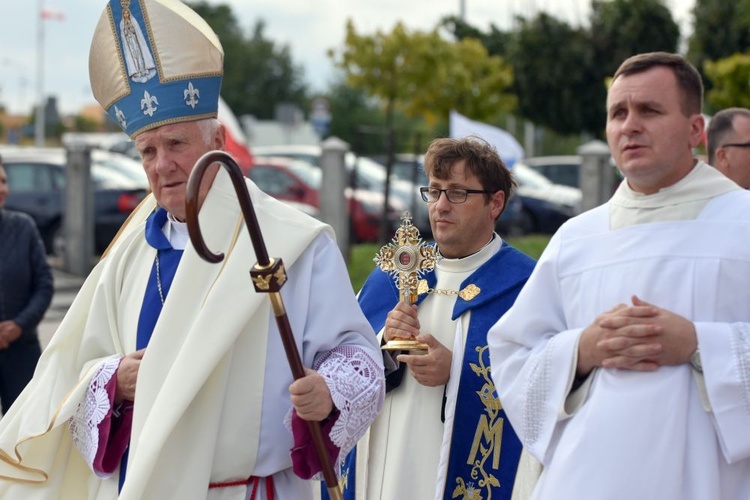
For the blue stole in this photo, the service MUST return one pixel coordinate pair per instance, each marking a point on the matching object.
(169, 259)
(484, 450)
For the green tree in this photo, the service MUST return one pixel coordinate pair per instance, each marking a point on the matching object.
(424, 74)
(350, 109)
(560, 70)
(620, 29)
(720, 29)
(554, 77)
(461, 76)
(729, 77)
(258, 73)
(496, 41)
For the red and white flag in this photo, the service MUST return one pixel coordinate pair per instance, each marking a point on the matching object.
(55, 15)
(236, 142)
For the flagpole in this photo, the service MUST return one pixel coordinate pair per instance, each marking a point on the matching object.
(39, 122)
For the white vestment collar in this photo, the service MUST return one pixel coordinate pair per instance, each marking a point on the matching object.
(473, 261)
(176, 232)
(683, 200)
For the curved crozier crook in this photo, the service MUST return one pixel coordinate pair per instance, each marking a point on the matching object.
(192, 200)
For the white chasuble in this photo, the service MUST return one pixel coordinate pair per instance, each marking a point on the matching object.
(212, 389)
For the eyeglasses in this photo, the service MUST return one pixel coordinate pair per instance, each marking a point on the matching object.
(454, 195)
(736, 145)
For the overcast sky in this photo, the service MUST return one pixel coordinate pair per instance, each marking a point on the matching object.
(308, 27)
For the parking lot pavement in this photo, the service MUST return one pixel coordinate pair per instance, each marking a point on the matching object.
(66, 289)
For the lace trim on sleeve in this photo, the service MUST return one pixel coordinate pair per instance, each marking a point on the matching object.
(741, 348)
(539, 381)
(357, 388)
(84, 424)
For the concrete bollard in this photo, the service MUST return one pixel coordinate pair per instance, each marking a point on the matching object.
(333, 209)
(595, 174)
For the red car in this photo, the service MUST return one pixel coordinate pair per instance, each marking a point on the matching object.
(299, 182)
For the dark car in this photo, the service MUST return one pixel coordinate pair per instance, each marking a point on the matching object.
(298, 181)
(36, 177)
(545, 205)
(410, 167)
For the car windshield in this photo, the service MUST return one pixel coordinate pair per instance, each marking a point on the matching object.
(309, 174)
(106, 178)
(123, 165)
(526, 176)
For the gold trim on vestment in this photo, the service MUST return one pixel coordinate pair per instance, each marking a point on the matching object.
(468, 293)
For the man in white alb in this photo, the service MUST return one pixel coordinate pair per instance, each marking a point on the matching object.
(624, 365)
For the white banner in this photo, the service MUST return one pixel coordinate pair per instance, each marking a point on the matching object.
(507, 146)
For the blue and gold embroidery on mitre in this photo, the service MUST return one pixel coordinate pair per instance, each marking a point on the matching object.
(155, 62)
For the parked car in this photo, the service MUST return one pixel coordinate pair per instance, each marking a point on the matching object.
(558, 169)
(36, 177)
(298, 181)
(410, 167)
(370, 175)
(545, 205)
(406, 166)
(565, 169)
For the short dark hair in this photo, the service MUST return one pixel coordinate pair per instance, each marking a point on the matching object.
(688, 79)
(481, 158)
(720, 127)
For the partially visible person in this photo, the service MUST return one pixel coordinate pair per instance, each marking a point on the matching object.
(729, 144)
(25, 294)
(624, 364)
(167, 378)
(443, 432)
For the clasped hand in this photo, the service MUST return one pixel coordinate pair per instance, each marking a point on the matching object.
(640, 337)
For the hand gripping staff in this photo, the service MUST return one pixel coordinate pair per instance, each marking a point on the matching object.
(268, 275)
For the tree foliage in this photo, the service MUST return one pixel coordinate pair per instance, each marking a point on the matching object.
(554, 77)
(258, 73)
(425, 75)
(560, 70)
(350, 110)
(720, 29)
(620, 29)
(729, 78)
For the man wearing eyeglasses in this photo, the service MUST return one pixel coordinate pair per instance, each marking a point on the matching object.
(443, 431)
(729, 144)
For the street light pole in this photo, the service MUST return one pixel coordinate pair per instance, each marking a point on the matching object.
(39, 122)
(22, 81)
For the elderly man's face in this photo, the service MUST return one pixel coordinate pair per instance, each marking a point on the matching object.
(169, 154)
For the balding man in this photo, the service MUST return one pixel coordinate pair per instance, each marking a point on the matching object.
(729, 144)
